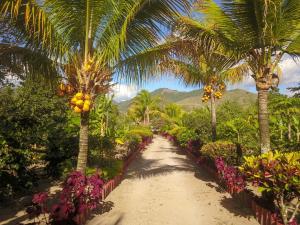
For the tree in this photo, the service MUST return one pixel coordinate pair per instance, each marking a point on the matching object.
(260, 33)
(85, 40)
(286, 108)
(143, 106)
(210, 67)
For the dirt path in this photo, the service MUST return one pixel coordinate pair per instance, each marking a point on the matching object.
(163, 187)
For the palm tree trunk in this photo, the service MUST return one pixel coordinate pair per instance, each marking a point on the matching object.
(263, 120)
(83, 142)
(213, 117)
(289, 131)
(148, 116)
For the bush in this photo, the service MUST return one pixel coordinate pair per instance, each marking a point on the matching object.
(225, 149)
(141, 131)
(79, 193)
(184, 136)
(14, 173)
(278, 174)
(230, 176)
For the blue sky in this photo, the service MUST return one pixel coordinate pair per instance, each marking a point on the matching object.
(290, 77)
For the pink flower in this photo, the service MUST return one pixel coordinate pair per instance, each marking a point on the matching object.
(40, 198)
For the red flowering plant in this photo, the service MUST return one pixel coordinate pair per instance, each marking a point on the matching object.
(230, 176)
(38, 210)
(79, 194)
(278, 174)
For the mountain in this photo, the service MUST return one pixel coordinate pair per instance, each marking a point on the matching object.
(192, 99)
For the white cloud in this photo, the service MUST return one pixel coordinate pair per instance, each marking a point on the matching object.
(123, 92)
(290, 72)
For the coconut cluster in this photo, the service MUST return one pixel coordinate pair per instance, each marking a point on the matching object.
(81, 102)
(65, 89)
(215, 89)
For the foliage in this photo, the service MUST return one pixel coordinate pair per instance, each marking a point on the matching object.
(284, 118)
(279, 174)
(230, 175)
(229, 151)
(184, 136)
(33, 131)
(79, 194)
(143, 107)
(14, 172)
(199, 121)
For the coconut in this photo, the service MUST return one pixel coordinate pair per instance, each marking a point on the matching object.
(62, 87)
(79, 103)
(79, 95)
(77, 109)
(74, 100)
(86, 108)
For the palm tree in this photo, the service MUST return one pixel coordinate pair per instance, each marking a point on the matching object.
(259, 32)
(209, 66)
(143, 105)
(85, 40)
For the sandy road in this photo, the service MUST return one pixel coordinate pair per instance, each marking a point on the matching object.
(163, 187)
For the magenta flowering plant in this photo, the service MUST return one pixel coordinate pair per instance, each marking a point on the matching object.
(40, 198)
(38, 210)
(230, 175)
(79, 194)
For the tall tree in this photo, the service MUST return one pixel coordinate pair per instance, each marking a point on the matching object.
(260, 32)
(85, 40)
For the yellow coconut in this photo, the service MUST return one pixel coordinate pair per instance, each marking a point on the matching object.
(86, 108)
(77, 109)
(79, 95)
(87, 102)
(62, 87)
(79, 103)
(74, 100)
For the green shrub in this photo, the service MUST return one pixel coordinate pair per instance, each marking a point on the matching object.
(225, 149)
(108, 171)
(14, 173)
(183, 135)
(279, 175)
(142, 131)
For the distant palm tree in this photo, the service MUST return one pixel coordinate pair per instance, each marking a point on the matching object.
(259, 33)
(84, 41)
(143, 105)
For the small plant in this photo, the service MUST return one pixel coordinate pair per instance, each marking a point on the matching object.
(230, 175)
(278, 174)
(79, 194)
(225, 149)
(38, 210)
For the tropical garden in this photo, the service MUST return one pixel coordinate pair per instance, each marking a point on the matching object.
(60, 61)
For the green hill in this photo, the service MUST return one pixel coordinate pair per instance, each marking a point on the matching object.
(192, 99)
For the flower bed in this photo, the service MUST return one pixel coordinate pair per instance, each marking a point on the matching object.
(80, 195)
(234, 183)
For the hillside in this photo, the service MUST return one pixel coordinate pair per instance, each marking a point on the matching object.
(192, 99)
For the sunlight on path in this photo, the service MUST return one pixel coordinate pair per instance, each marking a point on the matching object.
(163, 187)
